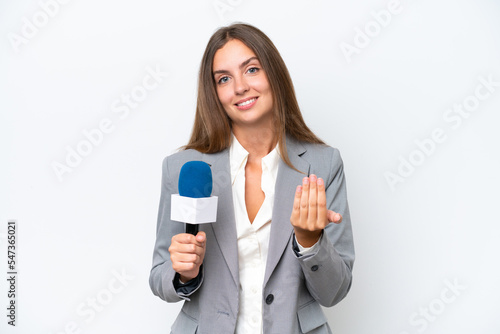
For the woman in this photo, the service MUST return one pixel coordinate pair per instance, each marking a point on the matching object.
(272, 258)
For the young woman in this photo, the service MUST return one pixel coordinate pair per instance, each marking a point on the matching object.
(272, 258)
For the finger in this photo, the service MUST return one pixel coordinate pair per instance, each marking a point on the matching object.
(201, 237)
(313, 204)
(184, 238)
(304, 200)
(187, 248)
(183, 267)
(188, 239)
(185, 257)
(181, 249)
(296, 206)
(322, 210)
(334, 217)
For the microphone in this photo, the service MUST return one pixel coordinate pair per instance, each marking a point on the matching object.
(194, 205)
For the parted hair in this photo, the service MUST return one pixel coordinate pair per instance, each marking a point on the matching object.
(212, 126)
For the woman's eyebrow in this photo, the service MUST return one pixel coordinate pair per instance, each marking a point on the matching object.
(243, 64)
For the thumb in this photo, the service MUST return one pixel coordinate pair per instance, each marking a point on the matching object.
(334, 217)
(201, 236)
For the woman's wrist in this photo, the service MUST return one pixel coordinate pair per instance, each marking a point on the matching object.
(184, 279)
(307, 238)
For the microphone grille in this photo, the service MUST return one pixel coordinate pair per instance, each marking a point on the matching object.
(195, 180)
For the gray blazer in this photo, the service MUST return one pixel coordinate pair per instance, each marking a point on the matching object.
(294, 287)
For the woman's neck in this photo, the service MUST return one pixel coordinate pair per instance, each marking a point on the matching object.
(257, 141)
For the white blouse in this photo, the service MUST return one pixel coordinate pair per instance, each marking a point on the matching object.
(253, 238)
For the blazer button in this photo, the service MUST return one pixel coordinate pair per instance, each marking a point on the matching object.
(314, 268)
(269, 299)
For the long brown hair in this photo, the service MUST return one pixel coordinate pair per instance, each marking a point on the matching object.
(212, 126)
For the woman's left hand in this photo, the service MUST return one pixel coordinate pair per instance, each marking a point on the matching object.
(310, 214)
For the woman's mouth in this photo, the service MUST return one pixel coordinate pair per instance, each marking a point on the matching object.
(246, 104)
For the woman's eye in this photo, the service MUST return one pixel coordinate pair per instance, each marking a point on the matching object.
(253, 70)
(223, 80)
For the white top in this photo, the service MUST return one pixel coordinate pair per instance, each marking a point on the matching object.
(253, 238)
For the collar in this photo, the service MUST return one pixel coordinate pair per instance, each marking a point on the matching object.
(238, 157)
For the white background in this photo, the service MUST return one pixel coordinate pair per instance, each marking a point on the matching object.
(438, 227)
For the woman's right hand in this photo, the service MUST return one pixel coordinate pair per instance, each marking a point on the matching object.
(187, 253)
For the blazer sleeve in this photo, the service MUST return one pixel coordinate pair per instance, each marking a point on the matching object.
(328, 271)
(162, 276)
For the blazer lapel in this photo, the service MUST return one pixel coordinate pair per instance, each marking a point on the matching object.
(286, 183)
(225, 227)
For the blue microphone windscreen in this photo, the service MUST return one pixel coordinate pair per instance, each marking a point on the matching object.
(195, 180)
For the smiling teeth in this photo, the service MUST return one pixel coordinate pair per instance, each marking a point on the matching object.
(246, 102)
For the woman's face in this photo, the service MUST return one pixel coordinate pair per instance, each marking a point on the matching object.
(242, 86)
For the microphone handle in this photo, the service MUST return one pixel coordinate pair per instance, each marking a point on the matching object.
(192, 229)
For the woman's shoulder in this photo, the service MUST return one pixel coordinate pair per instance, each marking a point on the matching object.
(320, 155)
(313, 148)
(176, 160)
(182, 154)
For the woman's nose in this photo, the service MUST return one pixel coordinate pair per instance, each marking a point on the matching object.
(240, 86)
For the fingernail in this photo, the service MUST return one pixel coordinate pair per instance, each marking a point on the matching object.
(313, 178)
(299, 189)
(306, 180)
(320, 182)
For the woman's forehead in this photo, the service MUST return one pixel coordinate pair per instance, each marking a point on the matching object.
(233, 53)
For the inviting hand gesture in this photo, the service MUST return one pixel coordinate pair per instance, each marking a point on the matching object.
(310, 214)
